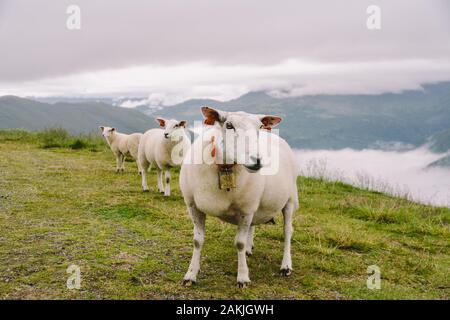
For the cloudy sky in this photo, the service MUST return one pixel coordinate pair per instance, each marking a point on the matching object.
(178, 49)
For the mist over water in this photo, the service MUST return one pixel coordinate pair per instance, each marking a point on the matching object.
(394, 172)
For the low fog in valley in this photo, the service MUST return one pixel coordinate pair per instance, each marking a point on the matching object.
(400, 173)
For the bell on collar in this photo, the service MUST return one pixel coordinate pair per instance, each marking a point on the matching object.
(227, 179)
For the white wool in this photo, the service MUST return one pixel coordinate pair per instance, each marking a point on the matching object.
(256, 199)
(121, 145)
(156, 148)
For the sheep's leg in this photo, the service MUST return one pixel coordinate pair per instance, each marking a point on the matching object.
(286, 264)
(241, 241)
(144, 167)
(167, 187)
(122, 167)
(138, 164)
(249, 244)
(160, 178)
(198, 219)
(134, 155)
(118, 162)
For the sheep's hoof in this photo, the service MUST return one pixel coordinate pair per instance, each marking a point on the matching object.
(248, 253)
(188, 283)
(285, 272)
(243, 285)
(146, 190)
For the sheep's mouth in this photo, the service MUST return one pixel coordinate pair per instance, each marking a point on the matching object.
(253, 168)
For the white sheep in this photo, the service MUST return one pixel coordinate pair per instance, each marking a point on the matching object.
(121, 145)
(244, 196)
(162, 148)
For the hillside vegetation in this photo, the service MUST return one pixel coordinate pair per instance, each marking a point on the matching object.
(54, 138)
(86, 117)
(63, 206)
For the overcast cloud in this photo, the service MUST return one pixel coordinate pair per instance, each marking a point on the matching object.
(181, 49)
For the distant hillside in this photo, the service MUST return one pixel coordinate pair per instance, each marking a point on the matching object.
(442, 162)
(342, 121)
(385, 121)
(440, 142)
(84, 117)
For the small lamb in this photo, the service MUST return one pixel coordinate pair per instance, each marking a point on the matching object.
(234, 188)
(163, 148)
(122, 145)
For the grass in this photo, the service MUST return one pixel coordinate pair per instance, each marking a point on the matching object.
(54, 137)
(60, 206)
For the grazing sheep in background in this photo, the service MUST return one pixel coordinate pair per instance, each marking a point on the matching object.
(247, 197)
(156, 148)
(121, 145)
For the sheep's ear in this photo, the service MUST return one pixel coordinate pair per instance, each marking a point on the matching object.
(212, 115)
(269, 121)
(112, 129)
(161, 121)
(101, 128)
(183, 123)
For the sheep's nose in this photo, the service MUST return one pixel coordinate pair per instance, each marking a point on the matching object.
(166, 135)
(256, 160)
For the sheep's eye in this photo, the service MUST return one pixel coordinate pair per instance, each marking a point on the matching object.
(229, 125)
(176, 126)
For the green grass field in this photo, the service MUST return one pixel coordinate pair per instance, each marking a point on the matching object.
(60, 206)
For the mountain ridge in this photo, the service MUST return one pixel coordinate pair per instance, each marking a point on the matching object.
(339, 121)
(407, 119)
(22, 113)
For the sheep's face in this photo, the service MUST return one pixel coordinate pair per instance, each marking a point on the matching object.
(107, 131)
(242, 136)
(172, 127)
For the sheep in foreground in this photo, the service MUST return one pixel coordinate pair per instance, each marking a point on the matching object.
(163, 148)
(237, 191)
(122, 145)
